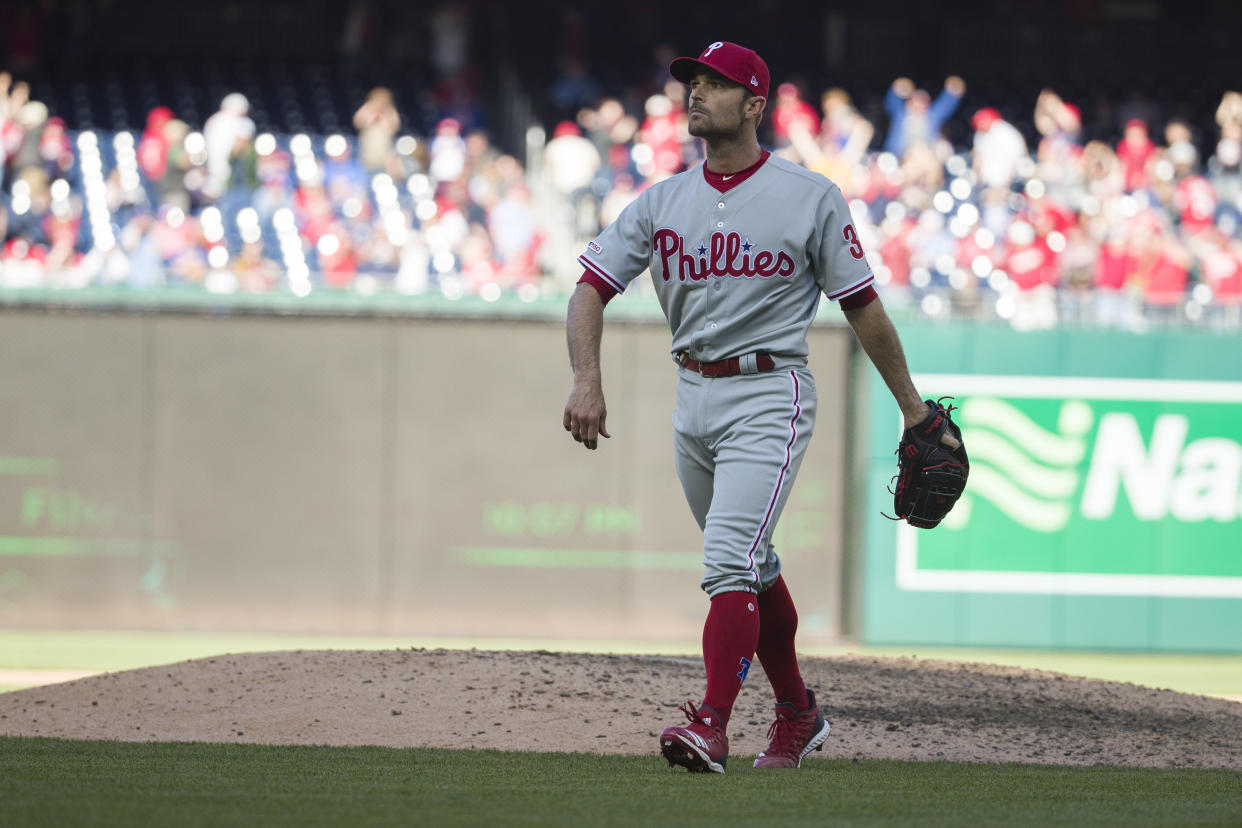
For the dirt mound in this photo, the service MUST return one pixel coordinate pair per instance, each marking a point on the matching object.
(879, 707)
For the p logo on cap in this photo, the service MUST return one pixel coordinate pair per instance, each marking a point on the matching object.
(737, 63)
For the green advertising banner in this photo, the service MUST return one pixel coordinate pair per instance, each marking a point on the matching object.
(1101, 511)
(1097, 486)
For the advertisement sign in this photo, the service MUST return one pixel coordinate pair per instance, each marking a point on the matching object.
(1088, 486)
(1104, 506)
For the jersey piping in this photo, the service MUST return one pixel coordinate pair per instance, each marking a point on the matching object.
(854, 288)
(780, 479)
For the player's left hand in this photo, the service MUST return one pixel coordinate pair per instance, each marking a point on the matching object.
(930, 479)
(918, 415)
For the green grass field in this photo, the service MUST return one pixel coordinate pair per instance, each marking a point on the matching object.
(56, 783)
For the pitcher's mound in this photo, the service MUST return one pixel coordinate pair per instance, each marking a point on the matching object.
(889, 708)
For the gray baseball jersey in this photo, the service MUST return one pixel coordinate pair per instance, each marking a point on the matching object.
(738, 271)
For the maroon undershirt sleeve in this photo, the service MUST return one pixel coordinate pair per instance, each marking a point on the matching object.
(605, 290)
(860, 299)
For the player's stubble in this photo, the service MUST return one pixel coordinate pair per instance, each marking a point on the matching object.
(713, 126)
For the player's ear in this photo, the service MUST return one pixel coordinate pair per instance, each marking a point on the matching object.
(755, 106)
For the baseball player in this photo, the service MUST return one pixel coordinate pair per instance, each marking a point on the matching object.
(740, 249)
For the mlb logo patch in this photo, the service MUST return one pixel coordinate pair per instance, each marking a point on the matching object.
(595, 248)
(754, 81)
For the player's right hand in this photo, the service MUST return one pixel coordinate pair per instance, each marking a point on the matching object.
(585, 415)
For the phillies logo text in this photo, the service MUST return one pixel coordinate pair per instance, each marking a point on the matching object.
(723, 255)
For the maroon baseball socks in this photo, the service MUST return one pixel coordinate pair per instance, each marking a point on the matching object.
(740, 626)
(778, 625)
(730, 636)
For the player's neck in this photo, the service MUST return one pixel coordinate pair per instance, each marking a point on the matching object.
(730, 155)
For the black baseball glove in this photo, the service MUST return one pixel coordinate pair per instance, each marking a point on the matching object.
(930, 476)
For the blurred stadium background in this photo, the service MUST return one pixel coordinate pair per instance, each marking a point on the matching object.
(1085, 169)
(317, 255)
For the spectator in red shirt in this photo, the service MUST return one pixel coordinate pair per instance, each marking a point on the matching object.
(1033, 268)
(1167, 276)
(337, 260)
(663, 131)
(791, 113)
(1134, 151)
(313, 209)
(153, 146)
(1114, 264)
(895, 251)
(1194, 201)
(1117, 273)
(1220, 263)
(1162, 264)
(1028, 260)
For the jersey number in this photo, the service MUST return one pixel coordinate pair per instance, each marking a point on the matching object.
(855, 245)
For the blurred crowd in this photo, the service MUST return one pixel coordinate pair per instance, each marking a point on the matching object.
(1055, 230)
(1058, 229)
(230, 209)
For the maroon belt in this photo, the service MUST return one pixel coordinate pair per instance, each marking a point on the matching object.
(756, 363)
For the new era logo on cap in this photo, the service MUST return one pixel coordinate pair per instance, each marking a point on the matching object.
(737, 63)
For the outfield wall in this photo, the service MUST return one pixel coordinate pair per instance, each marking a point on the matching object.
(379, 475)
(410, 476)
(1104, 508)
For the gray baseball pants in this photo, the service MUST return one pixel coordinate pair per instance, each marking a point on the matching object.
(739, 442)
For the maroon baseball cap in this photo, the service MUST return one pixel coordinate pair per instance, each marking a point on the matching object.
(737, 63)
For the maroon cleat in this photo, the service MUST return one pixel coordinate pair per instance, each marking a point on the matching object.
(699, 747)
(793, 735)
